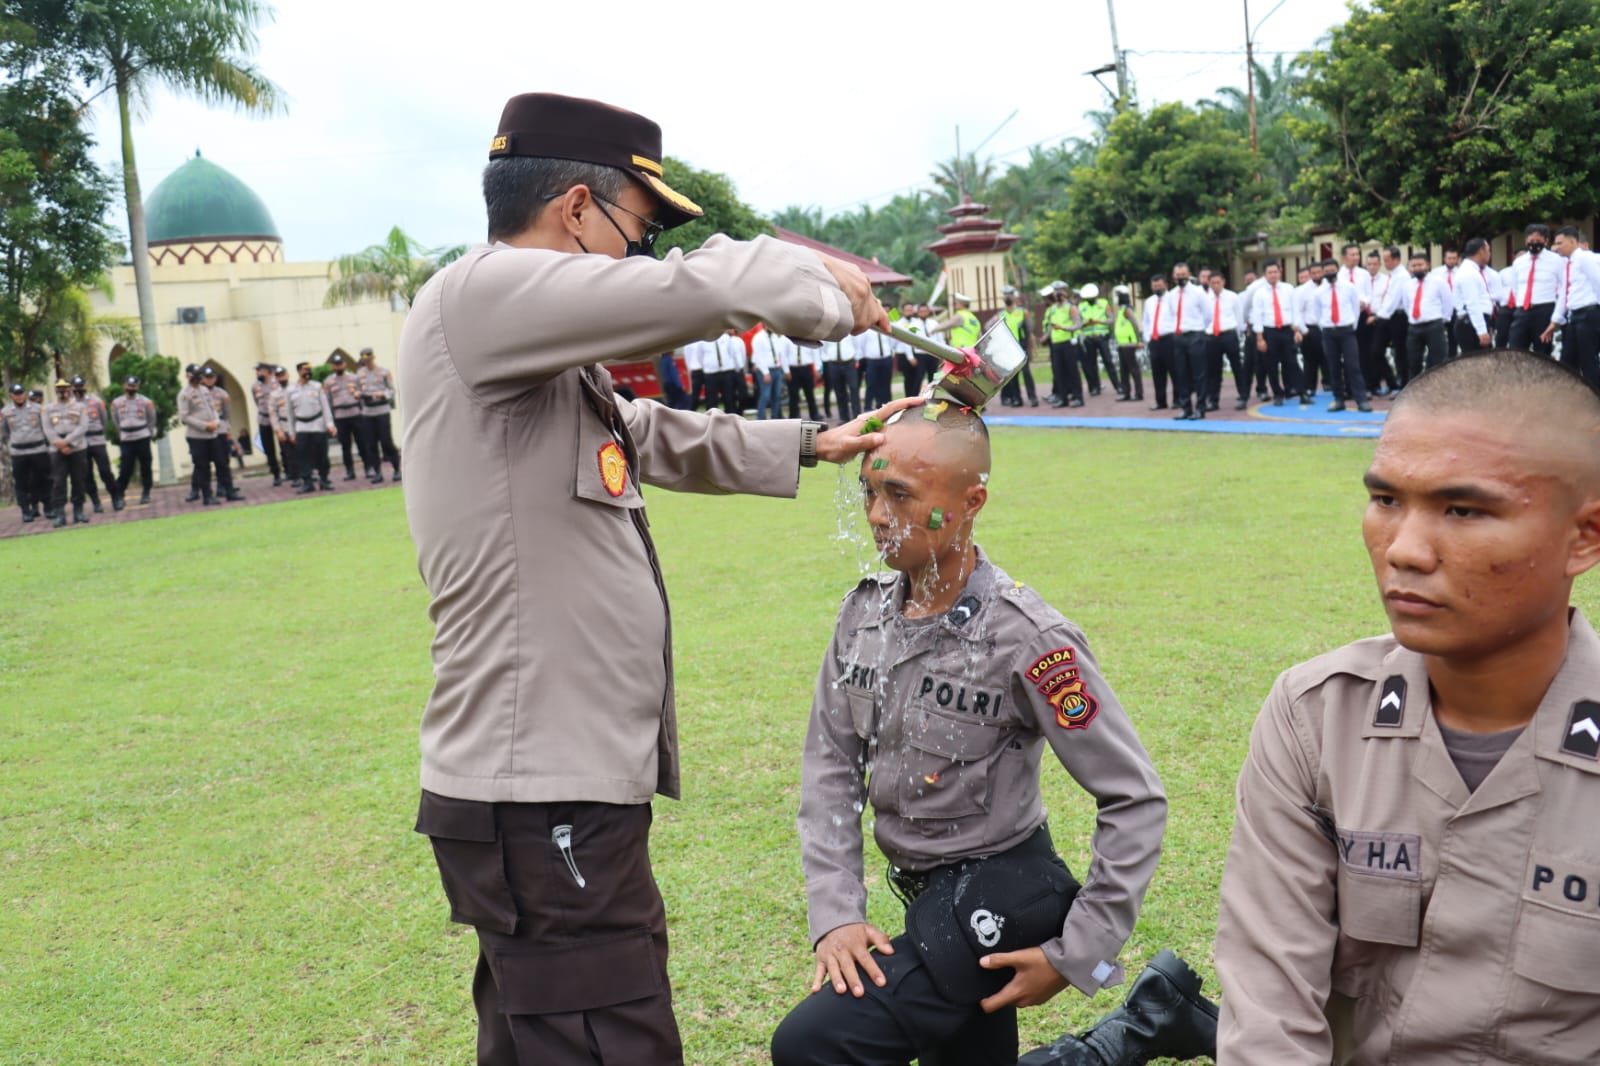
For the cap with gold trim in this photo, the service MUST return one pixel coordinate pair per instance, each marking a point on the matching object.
(552, 126)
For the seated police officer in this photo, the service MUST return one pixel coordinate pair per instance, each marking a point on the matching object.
(943, 684)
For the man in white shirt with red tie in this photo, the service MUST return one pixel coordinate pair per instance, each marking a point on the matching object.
(1338, 311)
(1577, 311)
(1156, 326)
(1428, 305)
(1535, 280)
(1222, 339)
(1307, 333)
(1191, 321)
(1272, 315)
(1388, 322)
(1474, 306)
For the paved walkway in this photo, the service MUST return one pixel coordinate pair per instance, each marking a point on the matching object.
(1261, 417)
(255, 483)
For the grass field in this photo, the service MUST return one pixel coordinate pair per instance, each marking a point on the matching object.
(209, 742)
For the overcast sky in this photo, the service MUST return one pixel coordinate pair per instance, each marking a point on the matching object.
(827, 103)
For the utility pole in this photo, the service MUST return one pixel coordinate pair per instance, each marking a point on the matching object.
(1249, 73)
(1119, 59)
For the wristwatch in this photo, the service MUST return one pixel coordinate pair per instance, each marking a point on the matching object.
(808, 442)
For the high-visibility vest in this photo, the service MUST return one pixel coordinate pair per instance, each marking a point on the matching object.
(1015, 317)
(1127, 332)
(1059, 319)
(1099, 308)
(966, 334)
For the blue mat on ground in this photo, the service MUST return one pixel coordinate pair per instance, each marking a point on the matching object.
(1290, 420)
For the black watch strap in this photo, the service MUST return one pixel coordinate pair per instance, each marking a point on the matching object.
(808, 442)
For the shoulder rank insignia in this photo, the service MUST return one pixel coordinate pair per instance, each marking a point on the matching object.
(1583, 730)
(1392, 704)
(963, 611)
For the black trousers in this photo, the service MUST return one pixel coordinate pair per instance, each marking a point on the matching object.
(200, 464)
(1161, 367)
(1242, 364)
(910, 373)
(1344, 364)
(1527, 324)
(840, 379)
(1022, 379)
(803, 378)
(1064, 379)
(269, 448)
(222, 459)
(1502, 326)
(1364, 330)
(1099, 345)
(349, 430)
(1132, 375)
(572, 940)
(1375, 366)
(1278, 361)
(291, 462)
(1312, 361)
(100, 463)
(1189, 365)
(135, 453)
(880, 381)
(1426, 347)
(72, 468)
(697, 389)
(311, 455)
(31, 475)
(1580, 344)
(1467, 337)
(380, 442)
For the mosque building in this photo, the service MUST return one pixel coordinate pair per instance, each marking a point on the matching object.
(226, 294)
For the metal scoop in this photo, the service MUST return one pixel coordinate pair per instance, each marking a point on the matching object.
(971, 376)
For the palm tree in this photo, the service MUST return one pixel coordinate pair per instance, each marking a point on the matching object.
(198, 48)
(393, 270)
(963, 176)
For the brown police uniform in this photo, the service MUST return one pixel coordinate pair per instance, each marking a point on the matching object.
(375, 385)
(345, 399)
(1376, 911)
(940, 725)
(540, 754)
(67, 422)
(22, 428)
(264, 393)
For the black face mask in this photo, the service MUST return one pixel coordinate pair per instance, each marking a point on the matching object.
(1420, 274)
(1535, 247)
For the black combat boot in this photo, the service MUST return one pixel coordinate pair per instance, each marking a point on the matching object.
(327, 486)
(277, 479)
(1164, 1016)
(397, 473)
(78, 517)
(96, 503)
(58, 519)
(211, 501)
(194, 494)
(144, 499)
(116, 502)
(233, 496)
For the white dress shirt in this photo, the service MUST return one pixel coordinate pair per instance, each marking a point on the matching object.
(1509, 299)
(730, 353)
(1580, 285)
(1262, 315)
(1361, 279)
(874, 345)
(1338, 289)
(766, 351)
(1472, 296)
(1305, 305)
(1149, 315)
(1547, 270)
(1436, 304)
(1190, 309)
(694, 355)
(839, 351)
(1247, 303)
(1224, 313)
(1385, 293)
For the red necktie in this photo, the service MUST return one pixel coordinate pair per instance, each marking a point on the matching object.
(1416, 305)
(1179, 327)
(1527, 297)
(1155, 322)
(1569, 281)
(1336, 302)
(1277, 311)
(1216, 318)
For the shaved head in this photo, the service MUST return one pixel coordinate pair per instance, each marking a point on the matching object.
(954, 442)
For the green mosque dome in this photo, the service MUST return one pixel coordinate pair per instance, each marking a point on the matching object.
(202, 200)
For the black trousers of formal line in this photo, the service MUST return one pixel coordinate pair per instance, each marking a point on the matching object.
(1502, 326)
(1242, 364)
(1467, 337)
(880, 381)
(1580, 343)
(1527, 324)
(697, 389)
(200, 465)
(349, 430)
(1364, 347)
(31, 476)
(1426, 347)
(1344, 364)
(1098, 345)
(1189, 362)
(100, 463)
(572, 940)
(803, 378)
(1132, 375)
(1162, 357)
(1022, 379)
(1065, 383)
(72, 468)
(269, 448)
(291, 461)
(1313, 361)
(380, 442)
(221, 454)
(311, 455)
(1375, 367)
(1278, 361)
(135, 453)
(911, 373)
(840, 379)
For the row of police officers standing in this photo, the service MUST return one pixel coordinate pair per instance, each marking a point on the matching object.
(58, 448)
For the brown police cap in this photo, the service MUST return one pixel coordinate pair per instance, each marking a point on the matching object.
(551, 126)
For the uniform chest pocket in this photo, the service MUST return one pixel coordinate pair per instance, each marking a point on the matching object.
(1553, 999)
(863, 712)
(601, 473)
(946, 766)
(1379, 910)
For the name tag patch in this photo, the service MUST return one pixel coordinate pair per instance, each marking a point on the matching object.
(1396, 855)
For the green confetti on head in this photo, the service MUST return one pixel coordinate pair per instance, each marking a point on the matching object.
(936, 519)
(871, 425)
(880, 464)
(932, 411)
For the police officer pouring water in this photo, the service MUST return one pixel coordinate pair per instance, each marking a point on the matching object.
(523, 484)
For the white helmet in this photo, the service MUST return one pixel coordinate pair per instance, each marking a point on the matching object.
(1090, 291)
